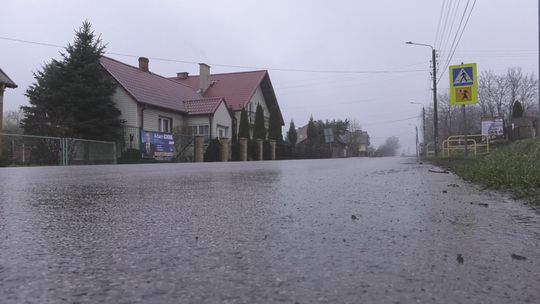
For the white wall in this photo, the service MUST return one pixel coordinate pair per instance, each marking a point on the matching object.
(222, 118)
(151, 118)
(258, 98)
(198, 120)
(127, 106)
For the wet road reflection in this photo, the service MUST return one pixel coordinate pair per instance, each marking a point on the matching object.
(325, 231)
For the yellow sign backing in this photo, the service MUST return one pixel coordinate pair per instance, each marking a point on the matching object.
(463, 84)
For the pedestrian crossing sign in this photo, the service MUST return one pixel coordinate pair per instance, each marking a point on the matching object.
(463, 84)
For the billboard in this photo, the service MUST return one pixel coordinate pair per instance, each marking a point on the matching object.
(157, 145)
(493, 127)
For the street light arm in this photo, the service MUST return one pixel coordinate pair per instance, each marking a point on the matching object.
(434, 77)
(421, 44)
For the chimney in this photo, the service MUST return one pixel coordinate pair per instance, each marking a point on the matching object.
(143, 64)
(182, 75)
(204, 77)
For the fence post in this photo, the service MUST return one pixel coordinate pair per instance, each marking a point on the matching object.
(224, 149)
(272, 149)
(243, 149)
(115, 161)
(199, 148)
(65, 152)
(259, 148)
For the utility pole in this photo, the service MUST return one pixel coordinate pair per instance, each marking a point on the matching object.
(424, 131)
(434, 76)
(416, 127)
(435, 113)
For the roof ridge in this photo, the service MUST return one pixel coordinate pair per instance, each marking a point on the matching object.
(151, 73)
(204, 98)
(229, 73)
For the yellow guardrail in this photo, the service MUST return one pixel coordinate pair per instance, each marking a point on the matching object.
(477, 144)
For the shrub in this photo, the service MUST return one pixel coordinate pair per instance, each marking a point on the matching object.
(212, 151)
(130, 156)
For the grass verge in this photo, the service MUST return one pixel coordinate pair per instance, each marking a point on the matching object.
(514, 168)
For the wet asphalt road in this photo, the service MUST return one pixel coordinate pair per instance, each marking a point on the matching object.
(327, 231)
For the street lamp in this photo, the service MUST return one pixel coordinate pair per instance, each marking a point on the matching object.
(434, 76)
(423, 126)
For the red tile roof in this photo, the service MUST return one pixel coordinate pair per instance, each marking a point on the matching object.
(202, 106)
(149, 88)
(236, 88)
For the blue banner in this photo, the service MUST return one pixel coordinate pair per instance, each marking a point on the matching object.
(157, 145)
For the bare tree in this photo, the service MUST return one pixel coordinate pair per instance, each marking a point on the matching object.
(353, 136)
(497, 96)
(12, 122)
(493, 93)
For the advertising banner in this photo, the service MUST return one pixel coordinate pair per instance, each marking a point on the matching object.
(157, 145)
(493, 127)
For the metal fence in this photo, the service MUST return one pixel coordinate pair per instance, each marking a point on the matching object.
(33, 150)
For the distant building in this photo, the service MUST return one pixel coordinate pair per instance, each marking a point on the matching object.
(357, 141)
(523, 127)
(338, 148)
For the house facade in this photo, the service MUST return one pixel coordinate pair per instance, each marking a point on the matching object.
(240, 90)
(154, 108)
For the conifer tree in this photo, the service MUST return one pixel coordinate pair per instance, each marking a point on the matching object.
(243, 128)
(517, 110)
(292, 136)
(72, 97)
(259, 131)
(274, 125)
(311, 131)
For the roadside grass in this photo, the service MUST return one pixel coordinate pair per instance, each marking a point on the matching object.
(514, 168)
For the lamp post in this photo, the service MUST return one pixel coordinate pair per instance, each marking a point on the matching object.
(423, 126)
(434, 76)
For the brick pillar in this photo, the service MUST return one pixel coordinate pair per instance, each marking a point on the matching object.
(272, 149)
(199, 148)
(224, 149)
(259, 149)
(243, 149)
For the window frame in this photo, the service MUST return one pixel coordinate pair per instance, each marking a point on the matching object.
(161, 124)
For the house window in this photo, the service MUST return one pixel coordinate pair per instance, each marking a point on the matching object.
(203, 130)
(165, 124)
(222, 131)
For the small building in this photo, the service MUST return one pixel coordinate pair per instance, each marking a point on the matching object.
(5, 82)
(337, 148)
(523, 127)
(357, 142)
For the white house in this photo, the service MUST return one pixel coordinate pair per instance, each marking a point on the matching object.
(152, 103)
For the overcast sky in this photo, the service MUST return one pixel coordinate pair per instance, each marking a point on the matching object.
(356, 36)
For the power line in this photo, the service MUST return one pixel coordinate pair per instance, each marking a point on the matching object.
(453, 46)
(230, 65)
(447, 9)
(459, 39)
(439, 23)
(454, 14)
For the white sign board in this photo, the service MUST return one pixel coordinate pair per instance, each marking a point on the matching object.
(494, 128)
